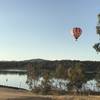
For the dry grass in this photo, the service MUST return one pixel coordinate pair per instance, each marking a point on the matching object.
(58, 98)
(77, 98)
(13, 94)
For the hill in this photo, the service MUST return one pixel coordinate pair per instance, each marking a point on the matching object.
(89, 66)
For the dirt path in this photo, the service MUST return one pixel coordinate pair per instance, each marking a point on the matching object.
(6, 93)
(17, 94)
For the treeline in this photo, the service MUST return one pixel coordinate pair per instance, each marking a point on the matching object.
(13, 65)
(76, 73)
(89, 66)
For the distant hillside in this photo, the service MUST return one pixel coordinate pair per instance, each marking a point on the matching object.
(35, 60)
(90, 66)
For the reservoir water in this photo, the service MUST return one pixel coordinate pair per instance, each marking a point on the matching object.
(18, 78)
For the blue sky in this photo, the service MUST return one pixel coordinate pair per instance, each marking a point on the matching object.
(32, 29)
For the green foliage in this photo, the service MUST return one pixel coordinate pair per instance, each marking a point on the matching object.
(77, 72)
(76, 76)
(97, 76)
(97, 47)
(61, 72)
(46, 84)
(32, 75)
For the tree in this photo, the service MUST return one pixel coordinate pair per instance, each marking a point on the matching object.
(96, 46)
(61, 72)
(76, 76)
(46, 84)
(31, 75)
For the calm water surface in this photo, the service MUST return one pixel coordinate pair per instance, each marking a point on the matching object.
(16, 78)
(13, 79)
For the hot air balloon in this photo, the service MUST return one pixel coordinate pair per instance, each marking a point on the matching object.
(76, 32)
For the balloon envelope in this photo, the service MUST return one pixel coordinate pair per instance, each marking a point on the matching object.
(76, 32)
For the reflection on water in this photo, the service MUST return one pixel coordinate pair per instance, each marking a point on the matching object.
(13, 71)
